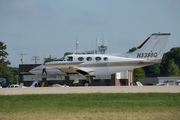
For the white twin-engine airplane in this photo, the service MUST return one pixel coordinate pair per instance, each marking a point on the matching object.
(91, 65)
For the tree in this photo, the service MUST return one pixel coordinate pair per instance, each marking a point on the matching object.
(49, 59)
(3, 64)
(139, 74)
(174, 54)
(154, 69)
(12, 74)
(132, 49)
(173, 69)
(68, 53)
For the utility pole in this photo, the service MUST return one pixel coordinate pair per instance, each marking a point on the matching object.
(35, 58)
(22, 57)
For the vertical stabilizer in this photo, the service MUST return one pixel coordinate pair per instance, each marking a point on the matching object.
(152, 48)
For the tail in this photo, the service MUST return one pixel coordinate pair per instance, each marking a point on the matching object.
(152, 48)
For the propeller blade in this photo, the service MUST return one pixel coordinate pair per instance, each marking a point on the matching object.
(44, 61)
(44, 71)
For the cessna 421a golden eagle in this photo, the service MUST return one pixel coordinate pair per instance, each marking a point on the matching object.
(91, 65)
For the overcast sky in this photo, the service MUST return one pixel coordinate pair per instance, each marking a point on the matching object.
(50, 27)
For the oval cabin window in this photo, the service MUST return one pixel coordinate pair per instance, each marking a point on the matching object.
(105, 58)
(98, 58)
(89, 58)
(80, 58)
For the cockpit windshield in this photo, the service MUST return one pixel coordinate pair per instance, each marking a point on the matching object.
(69, 58)
(61, 59)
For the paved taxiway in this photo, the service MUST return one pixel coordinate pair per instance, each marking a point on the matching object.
(91, 89)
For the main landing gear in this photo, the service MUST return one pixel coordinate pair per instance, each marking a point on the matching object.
(86, 83)
(76, 80)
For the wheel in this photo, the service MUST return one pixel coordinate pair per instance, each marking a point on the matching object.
(86, 83)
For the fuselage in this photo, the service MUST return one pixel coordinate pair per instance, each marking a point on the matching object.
(95, 64)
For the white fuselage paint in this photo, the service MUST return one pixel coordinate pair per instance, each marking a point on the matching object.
(113, 64)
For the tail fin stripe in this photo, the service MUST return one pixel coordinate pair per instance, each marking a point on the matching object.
(143, 43)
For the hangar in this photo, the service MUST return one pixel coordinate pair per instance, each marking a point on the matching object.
(124, 78)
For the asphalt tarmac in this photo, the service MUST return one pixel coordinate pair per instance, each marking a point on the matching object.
(90, 89)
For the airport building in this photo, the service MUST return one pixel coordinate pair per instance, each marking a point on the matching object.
(124, 78)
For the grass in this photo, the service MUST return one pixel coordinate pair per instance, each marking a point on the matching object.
(94, 106)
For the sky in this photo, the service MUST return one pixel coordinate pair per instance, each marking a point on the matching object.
(51, 27)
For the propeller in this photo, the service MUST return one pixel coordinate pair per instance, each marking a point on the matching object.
(44, 71)
(44, 61)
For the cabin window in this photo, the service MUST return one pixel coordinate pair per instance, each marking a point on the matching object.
(89, 58)
(105, 59)
(98, 58)
(80, 58)
(70, 59)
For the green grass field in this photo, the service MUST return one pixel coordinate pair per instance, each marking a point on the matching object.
(94, 106)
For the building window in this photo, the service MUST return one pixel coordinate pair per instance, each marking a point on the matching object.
(89, 58)
(105, 59)
(80, 58)
(98, 58)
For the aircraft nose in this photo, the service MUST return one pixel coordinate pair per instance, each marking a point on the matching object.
(36, 70)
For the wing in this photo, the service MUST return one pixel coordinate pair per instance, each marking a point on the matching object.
(62, 64)
(84, 71)
(69, 67)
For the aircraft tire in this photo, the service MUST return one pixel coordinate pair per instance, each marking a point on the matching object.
(86, 83)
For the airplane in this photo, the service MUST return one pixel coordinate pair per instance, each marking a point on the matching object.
(91, 65)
